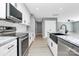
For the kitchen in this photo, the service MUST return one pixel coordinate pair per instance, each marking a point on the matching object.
(57, 34)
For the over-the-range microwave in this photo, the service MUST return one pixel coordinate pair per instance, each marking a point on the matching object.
(13, 14)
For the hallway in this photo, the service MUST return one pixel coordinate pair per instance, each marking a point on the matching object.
(39, 48)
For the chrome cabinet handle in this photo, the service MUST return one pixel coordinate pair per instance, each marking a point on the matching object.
(51, 44)
(10, 47)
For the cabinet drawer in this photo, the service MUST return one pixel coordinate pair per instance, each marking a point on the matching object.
(4, 50)
(53, 47)
(13, 52)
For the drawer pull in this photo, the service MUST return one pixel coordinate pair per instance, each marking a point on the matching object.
(51, 44)
(10, 47)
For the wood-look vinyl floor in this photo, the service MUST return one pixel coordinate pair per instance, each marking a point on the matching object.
(39, 48)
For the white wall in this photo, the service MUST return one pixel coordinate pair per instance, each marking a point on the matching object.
(68, 24)
(76, 27)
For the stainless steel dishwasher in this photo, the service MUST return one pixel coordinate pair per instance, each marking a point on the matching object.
(67, 49)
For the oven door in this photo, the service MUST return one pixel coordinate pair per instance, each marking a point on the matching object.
(24, 46)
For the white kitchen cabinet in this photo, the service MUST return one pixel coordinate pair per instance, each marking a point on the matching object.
(9, 49)
(53, 46)
(31, 38)
(32, 31)
(2, 10)
(25, 14)
(49, 26)
(49, 44)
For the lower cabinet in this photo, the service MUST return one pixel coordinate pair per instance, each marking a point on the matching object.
(9, 49)
(62, 48)
(53, 46)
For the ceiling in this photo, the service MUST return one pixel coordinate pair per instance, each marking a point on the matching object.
(61, 10)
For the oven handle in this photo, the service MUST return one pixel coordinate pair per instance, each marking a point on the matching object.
(24, 38)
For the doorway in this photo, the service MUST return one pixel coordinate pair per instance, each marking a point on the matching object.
(38, 29)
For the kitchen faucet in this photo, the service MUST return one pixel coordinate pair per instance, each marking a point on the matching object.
(65, 28)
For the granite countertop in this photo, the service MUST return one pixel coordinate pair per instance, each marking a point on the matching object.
(71, 37)
(6, 39)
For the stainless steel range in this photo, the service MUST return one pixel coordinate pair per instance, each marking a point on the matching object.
(22, 44)
(22, 39)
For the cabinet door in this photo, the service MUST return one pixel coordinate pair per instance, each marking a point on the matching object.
(2, 10)
(49, 42)
(13, 51)
(53, 47)
(7, 49)
(25, 14)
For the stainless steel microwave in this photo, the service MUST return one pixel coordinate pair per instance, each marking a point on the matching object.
(12, 13)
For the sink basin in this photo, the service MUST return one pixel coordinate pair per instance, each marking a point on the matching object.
(58, 34)
(54, 37)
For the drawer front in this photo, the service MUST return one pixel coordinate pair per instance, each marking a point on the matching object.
(53, 47)
(49, 40)
(13, 52)
(4, 50)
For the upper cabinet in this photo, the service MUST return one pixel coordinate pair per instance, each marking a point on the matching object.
(25, 13)
(2, 10)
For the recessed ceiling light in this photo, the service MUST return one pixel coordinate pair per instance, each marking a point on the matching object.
(60, 8)
(37, 8)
